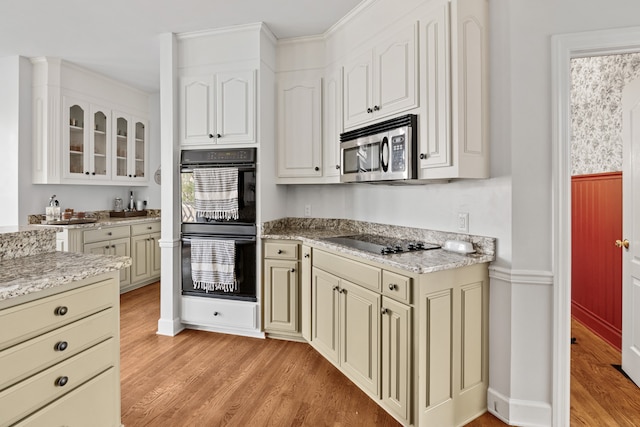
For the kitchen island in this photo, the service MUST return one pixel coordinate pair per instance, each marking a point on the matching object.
(59, 332)
(409, 328)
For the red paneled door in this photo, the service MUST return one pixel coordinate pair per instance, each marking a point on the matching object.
(596, 263)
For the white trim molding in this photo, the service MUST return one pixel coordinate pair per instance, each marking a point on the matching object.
(521, 277)
(563, 48)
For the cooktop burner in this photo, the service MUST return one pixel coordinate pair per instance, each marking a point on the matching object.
(381, 244)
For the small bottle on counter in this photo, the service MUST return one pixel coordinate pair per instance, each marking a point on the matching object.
(132, 204)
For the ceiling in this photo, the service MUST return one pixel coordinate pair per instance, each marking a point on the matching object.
(119, 38)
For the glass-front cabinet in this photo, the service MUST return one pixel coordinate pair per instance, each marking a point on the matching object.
(130, 141)
(85, 141)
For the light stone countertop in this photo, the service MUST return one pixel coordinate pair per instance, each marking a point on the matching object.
(22, 276)
(103, 222)
(312, 232)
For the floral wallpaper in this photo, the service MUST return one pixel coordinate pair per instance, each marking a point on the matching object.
(596, 111)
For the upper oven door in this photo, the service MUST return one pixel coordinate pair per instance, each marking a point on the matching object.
(246, 198)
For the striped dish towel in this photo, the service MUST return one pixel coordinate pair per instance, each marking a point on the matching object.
(213, 265)
(216, 193)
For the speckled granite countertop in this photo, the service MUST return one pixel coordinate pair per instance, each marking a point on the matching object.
(105, 222)
(29, 274)
(30, 264)
(312, 232)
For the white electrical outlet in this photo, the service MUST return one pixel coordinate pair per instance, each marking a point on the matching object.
(307, 211)
(463, 222)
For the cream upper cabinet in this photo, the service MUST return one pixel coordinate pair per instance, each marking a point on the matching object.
(86, 146)
(299, 136)
(332, 124)
(74, 127)
(381, 81)
(218, 108)
(453, 61)
(130, 142)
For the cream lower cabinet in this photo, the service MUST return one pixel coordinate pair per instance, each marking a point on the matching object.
(452, 359)
(415, 343)
(64, 354)
(110, 241)
(346, 327)
(281, 289)
(145, 253)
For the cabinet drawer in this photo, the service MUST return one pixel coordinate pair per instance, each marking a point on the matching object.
(22, 322)
(396, 286)
(41, 352)
(214, 312)
(353, 271)
(92, 404)
(107, 233)
(34, 392)
(146, 228)
(281, 250)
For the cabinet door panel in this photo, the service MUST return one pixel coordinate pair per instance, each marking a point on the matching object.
(396, 356)
(332, 121)
(76, 147)
(196, 109)
(235, 107)
(141, 267)
(156, 259)
(281, 295)
(359, 333)
(435, 46)
(396, 75)
(324, 314)
(358, 88)
(299, 129)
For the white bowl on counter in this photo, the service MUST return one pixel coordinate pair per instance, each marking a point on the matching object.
(458, 246)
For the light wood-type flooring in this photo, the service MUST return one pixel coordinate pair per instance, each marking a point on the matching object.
(207, 379)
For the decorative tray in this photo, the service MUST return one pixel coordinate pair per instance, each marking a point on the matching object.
(127, 214)
(70, 221)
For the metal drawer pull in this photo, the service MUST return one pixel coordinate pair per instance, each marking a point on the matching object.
(60, 311)
(392, 286)
(61, 346)
(279, 251)
(62, 381)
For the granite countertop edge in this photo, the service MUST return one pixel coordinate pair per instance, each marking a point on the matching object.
(27, 275)
(102, 223)
(421, 262)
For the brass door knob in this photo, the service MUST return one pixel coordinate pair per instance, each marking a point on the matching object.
(622, 243)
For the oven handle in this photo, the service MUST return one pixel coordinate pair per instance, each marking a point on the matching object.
(219, 237)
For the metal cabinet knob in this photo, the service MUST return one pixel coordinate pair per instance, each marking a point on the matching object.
(337, 167)
(369, 110)
(306, 255)
(376, 108)
(336, 288)
(384, 310)
(216, 313)
(109, 233)
(423, 156)
(316, 169)
(293, 270)
(60, 346)
(61, 310)
(279, 251)
(392, 286)
(61, 381)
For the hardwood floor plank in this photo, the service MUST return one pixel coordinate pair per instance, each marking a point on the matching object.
(207, 379)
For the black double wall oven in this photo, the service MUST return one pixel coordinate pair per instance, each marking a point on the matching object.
(200, 229)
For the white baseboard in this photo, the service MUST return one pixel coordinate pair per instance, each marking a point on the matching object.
(170, 328)
(518, 412)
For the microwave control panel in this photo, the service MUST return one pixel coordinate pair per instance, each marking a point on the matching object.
(398, 156)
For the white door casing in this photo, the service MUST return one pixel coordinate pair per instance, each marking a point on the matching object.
(631, 230)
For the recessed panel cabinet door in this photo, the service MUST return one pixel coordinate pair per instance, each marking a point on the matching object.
(235, 107)
(299, 128)
(358, 90)
(324, 314)
(281, 296)
(196, 109)
(360, 331)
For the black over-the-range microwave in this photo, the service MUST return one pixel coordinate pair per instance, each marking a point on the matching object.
(384, 151)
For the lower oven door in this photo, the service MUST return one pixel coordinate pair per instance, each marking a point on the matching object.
(245, 268)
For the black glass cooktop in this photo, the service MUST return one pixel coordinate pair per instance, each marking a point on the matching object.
(381, 244)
